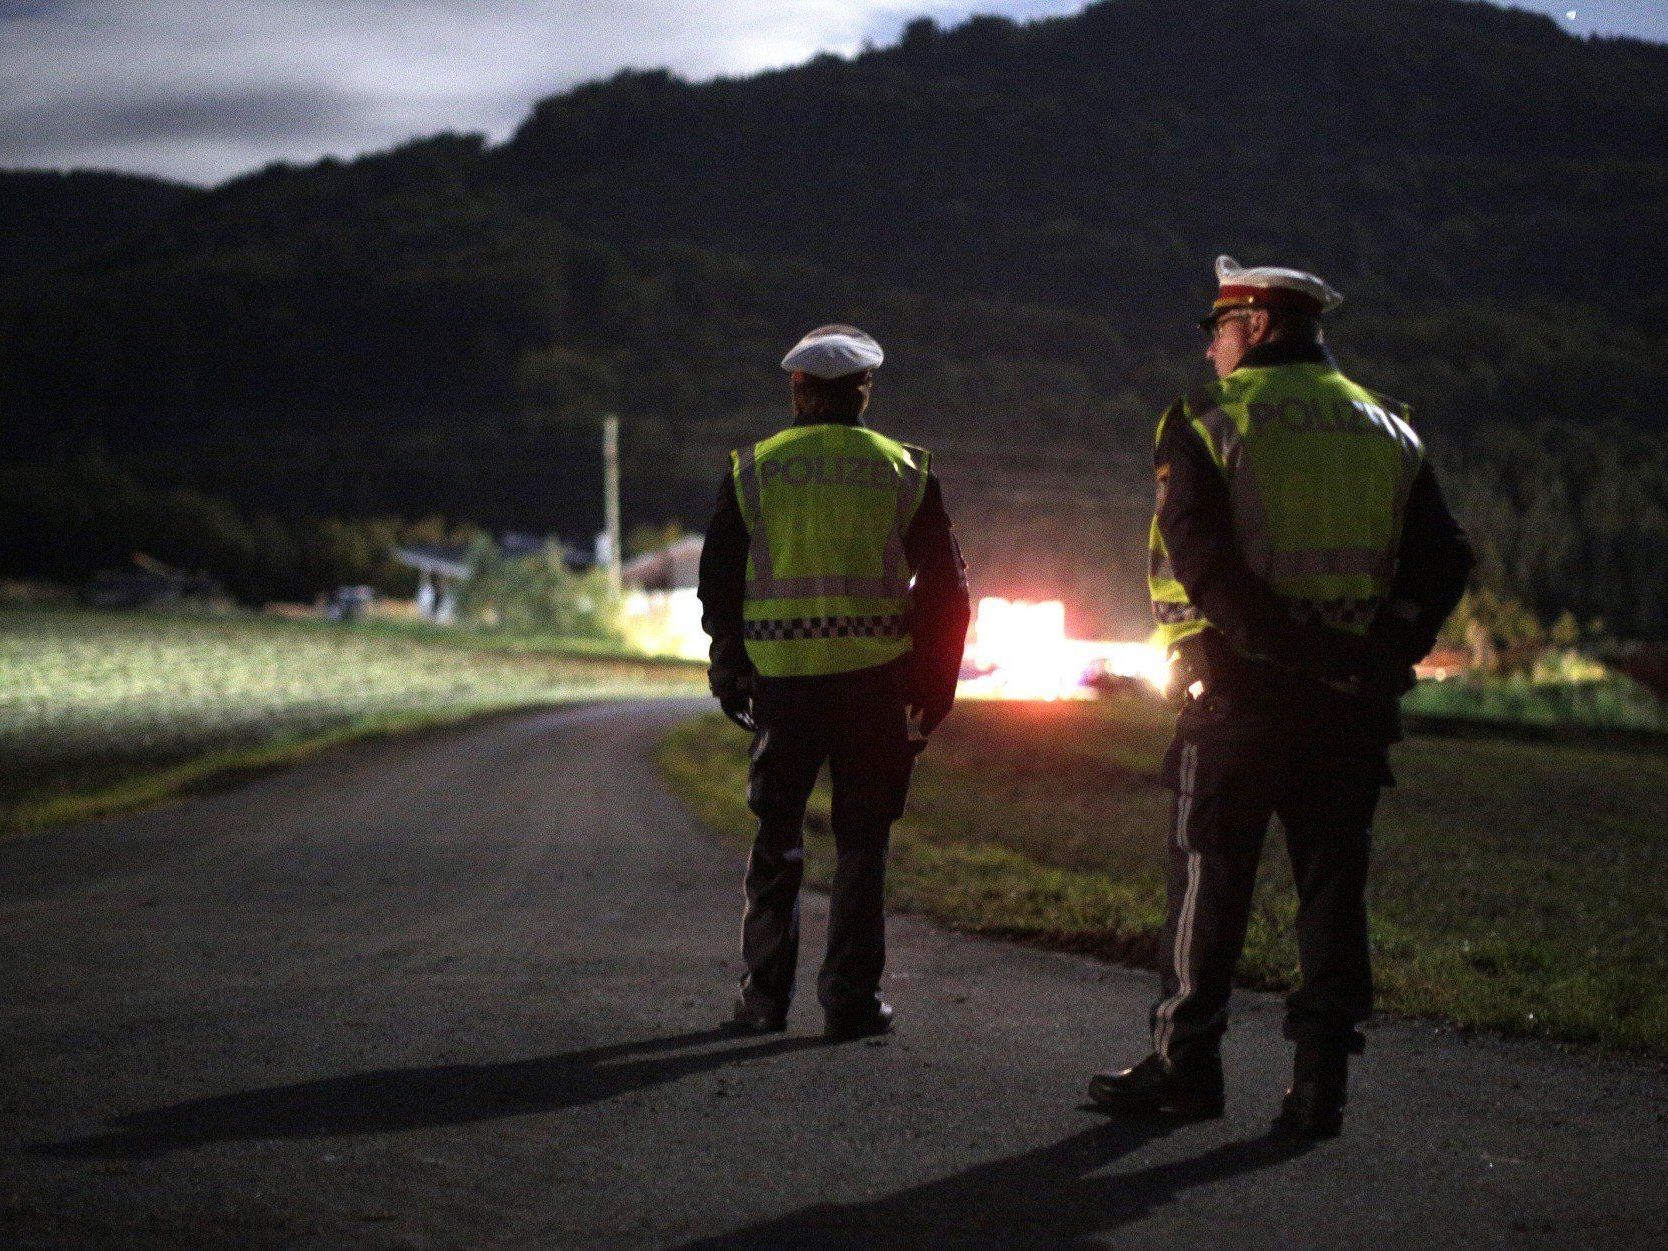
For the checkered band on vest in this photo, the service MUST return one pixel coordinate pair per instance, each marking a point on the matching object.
(890, 626)
(1338, 613)
(1166, 613)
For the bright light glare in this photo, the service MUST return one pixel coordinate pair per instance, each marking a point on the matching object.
(1022, 652)
(1136, 660)
(1020, 648)
(664, 623)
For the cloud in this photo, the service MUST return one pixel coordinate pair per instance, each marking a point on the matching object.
(202, 90)
(254, 116)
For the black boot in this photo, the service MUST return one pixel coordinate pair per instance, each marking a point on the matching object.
(1193, 1091)
(1314, 1106)
(865, 1022)
(757, 1016)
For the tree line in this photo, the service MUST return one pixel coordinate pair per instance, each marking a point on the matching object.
(63, 522)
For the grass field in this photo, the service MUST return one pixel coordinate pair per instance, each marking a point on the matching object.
(105, 711)
(1517, 887)
(1611, 703)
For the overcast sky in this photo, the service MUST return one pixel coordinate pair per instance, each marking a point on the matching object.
(203, 89)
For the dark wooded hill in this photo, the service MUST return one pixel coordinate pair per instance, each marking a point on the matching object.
(51, 220)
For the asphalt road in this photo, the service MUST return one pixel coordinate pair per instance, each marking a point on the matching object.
(459, 991)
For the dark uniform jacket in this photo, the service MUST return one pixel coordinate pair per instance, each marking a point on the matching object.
(939, 603)
(1298, 686)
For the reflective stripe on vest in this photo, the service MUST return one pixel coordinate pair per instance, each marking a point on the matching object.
(1318, 471)
(893, 626)
(826, 508)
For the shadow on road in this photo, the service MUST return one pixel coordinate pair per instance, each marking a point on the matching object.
(1049, 1197)
(398, 1099)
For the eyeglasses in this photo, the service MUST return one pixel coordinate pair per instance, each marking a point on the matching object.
(1214, 330)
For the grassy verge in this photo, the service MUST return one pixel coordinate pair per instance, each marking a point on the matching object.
(147, 789)
(105, 712)
(1613, 703)
(1517, 886)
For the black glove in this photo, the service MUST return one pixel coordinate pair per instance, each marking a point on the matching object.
(1389, 677)
(1396, 644)
(927, 696)
(735, 696)
(1189, 663)
(739, 708)
(1376, 673)
(1336, 657)
(1395, 684)
(933, 710)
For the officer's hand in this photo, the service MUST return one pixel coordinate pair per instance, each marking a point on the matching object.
(735, 695)
(739, 708)
(1188, 666)
(1382, 677)
(1334, 657)
(931, 712)
(915, 731)
(1390, 677)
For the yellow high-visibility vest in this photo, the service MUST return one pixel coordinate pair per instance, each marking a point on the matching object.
(826, 508)
(1319, 470)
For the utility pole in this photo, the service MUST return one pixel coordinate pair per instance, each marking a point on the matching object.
(611, 496)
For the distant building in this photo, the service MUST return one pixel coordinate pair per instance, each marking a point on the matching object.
(147, 583)
(661, 613)
(443, 568)
(675, 567)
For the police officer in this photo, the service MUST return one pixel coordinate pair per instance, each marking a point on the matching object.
(1302, 559)
(836, 599)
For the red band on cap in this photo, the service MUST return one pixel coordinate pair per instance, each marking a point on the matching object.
(1239, 296)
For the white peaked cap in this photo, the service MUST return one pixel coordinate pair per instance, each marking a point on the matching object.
(1234, 277)
(834, 352)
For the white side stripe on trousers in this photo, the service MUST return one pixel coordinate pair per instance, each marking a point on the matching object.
(1183, 951)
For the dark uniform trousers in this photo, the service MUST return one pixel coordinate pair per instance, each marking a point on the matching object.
(856, 723)
(1230, 775)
